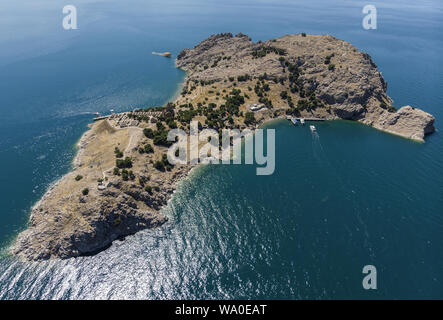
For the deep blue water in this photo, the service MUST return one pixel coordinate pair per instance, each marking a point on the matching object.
(347, 197)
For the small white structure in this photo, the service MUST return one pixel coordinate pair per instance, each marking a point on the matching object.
(313, 129)
(256, 107)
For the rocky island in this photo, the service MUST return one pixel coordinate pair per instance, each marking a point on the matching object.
(121, 177)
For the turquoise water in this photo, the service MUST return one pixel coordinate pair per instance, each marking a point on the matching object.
(347, 197)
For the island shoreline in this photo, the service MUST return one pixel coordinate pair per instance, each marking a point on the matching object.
(116, 208)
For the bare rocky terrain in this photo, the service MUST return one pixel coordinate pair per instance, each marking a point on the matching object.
(120, 180)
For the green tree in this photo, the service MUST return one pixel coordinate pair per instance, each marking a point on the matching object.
(148, 189)
(149, 133)
(249, 118)
(124, 163)
(118, 153)
(148, 148)
(159, 165)
(284, 95)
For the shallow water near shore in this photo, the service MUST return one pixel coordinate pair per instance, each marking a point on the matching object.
(340, 199)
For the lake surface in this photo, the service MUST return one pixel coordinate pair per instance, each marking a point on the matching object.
(340, 199)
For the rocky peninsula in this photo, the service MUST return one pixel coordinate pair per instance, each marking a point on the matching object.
(121, 178)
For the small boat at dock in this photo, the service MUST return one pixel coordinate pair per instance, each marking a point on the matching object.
(302, 121)
(313, 129)
(294, 121)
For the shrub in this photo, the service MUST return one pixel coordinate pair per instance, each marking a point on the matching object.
(125, 175)
(328, 59)
(331, 66)
(166, 163)
(161, 139)
(116, 171)
(284, 95)
(243, 78)
(85, 191)
(263, 50)
(148, 189)
(117, 221)
(159, 165)
(149, 133)
(249, 118)
(172, 124)
(160, 126)
(148, 148)
(303, 34)
(266, 102)
(124, 163)
(118, 153)
(78, 178)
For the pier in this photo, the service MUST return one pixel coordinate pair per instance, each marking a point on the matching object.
(101, 118)
(311, 119)
(305, 119)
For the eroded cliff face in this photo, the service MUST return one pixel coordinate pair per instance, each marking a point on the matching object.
(344, 79)
(58, 232)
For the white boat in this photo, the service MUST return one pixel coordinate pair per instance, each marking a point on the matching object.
(312, 128)
(302, 121)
